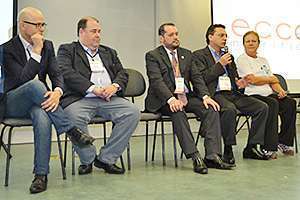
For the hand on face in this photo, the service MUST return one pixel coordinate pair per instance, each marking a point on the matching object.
(38, 42)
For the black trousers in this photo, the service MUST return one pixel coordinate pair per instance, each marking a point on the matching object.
(286, 108)
(210, 126)
(230, 104)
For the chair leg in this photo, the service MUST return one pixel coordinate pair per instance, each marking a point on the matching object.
(175, 149)
(128, 157)
(8, 157)
(104, 133)
(62, 161)
(122, 162)
(73, 160)
(66, 151)
(3, 144)
(163, 143)
(146, 142)
(296, 143)
(154, 140)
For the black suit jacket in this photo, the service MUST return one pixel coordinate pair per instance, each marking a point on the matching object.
(162, 80)
(17, 70)
(210, 70)
(75, 66)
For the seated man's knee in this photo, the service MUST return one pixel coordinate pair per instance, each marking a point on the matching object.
(36, 86)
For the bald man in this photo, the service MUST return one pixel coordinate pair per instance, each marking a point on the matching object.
(28, 59)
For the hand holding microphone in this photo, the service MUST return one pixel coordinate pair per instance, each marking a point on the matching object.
(226, 58)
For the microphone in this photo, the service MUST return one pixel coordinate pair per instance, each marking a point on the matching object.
(225, 49)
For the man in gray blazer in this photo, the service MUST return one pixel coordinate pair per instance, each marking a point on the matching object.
(220, 74)
(94, 84)
(170, 70)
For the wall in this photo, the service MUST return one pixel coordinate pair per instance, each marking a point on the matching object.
(129, 26)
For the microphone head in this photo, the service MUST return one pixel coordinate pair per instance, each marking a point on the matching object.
(225, 49)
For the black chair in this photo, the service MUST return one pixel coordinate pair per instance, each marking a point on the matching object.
(162, 120)
(284, 86)
(12, 123)
(136, 87)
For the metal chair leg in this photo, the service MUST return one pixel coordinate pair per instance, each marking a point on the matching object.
(128, 157)
(175, 149)
(73, 160)
(7, 157)
(62, 162)
(163, 143)
(146, 142)
(154, 140)
(296, 143)
(66, 151)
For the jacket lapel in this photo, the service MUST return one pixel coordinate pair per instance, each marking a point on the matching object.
(105, 58)
(20, 55)
(167, 62)
(81, 53)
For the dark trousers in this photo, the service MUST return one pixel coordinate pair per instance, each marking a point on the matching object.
(286, 108)
(210, 127)
(230, 104)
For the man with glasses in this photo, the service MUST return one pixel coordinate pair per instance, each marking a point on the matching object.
(95, 82)
(219, 71)
(28, 59)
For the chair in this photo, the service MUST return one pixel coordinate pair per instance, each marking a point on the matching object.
(12, 123)
(284, 86)
(136, 87)
(163, 119)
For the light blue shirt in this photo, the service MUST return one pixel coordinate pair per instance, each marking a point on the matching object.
(99, 76)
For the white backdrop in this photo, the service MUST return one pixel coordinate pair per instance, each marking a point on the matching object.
(277, 23)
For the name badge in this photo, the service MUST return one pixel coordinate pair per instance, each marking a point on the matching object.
(179, 83)
(96, 66)
(224, 83)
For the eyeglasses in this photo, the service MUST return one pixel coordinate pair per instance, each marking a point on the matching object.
(37, 25)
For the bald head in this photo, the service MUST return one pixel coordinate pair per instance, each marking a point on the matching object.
(29, 13)
(31, 21)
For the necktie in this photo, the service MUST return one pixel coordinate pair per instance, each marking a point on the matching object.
(177, 74)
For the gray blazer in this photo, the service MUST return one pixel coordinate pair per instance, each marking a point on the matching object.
(74, 64)
(210, 70)
(162, 80)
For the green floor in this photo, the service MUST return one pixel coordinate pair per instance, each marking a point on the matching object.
(251, 179)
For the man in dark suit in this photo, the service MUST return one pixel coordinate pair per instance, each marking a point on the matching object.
(219, 72)
(27, 56)
(170, 70)
(94, 83)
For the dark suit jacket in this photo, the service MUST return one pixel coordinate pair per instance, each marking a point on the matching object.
(75, 66)
(17, 70)
(210, 70)
(162, 80)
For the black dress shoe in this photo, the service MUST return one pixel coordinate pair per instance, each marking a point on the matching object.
(228, 156)
(109, 168)
(253, 152)
(199, 165)
(85, 169)
(217, 163)
(79, 138)
(39, 184)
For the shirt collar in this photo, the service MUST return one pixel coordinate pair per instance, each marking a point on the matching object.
(86, 49)
(169, 51)
(25, 44)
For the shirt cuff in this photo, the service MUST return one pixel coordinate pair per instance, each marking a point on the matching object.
(36, 57)
(90, 89)
(59, 89)
(205, 97)
(117, 86)
(171, 99)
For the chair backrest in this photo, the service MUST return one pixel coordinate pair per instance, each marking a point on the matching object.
(282, 82)
(136, 85)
